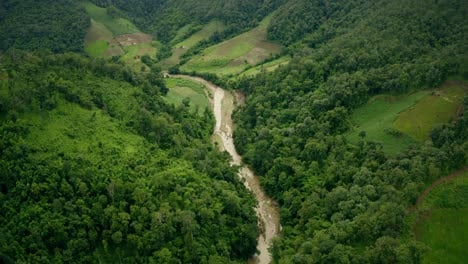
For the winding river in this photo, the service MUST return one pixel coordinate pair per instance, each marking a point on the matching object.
(223, 103)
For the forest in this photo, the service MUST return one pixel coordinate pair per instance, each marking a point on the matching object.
(343, 202)
(97, 164)
(57, 26)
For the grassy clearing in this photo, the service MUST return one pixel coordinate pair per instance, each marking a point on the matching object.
(180, 89)
(266, 67)
(234, 55)
(437, 108)
(376, 119)
(117, 26)
(445, 230)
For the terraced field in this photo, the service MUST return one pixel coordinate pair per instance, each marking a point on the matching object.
(266, 67)
(109, 37)
(181, 44)
(117, 26)
(235, 55)
(183, 90)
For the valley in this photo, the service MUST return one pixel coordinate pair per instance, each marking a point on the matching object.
(280, 131)
(223, 104)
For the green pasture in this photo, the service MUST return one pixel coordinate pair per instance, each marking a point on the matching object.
(183, 33)
(376, 118)
(436, 108)
(98, 31)
(266, 67)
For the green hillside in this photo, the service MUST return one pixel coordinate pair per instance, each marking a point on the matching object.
(356, 66)
(345, 111)
(445, 227)
(166, 17)
(117, 25)
(265, 67)
(376, 119)
(234, 55)
(184, 43)
(96, 166)
(442, 106)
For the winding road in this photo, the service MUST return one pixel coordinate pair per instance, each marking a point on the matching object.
(267, 211)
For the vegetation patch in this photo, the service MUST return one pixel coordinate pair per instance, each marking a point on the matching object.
(76, 130)
(110, 36)
(182, 45)
(438, 107)
(236, 54)
(266, 67)
(445, 228)
(183, 33)
(185, 91)
(207, 31)
(133, 54)
(97, 48)
(117, 26)
(99, 41)
(376, 119)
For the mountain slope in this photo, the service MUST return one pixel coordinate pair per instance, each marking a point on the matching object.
(96, 167)
(44, 24)
(343, 202)
(165, 17)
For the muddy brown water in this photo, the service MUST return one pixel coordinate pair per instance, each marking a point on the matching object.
(223, 103)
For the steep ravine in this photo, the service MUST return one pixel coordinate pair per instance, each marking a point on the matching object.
(267, 211)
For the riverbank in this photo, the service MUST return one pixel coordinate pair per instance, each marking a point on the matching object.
(267, 211)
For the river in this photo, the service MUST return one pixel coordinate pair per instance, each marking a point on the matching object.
(223, 104)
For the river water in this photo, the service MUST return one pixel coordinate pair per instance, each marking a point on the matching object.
(223, 104)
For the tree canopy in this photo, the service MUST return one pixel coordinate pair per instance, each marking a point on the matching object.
(95, 166)
(58, 26)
